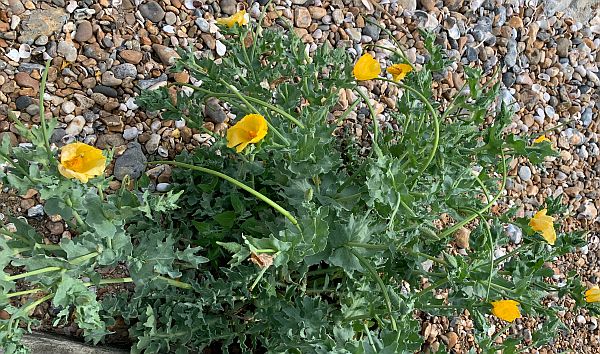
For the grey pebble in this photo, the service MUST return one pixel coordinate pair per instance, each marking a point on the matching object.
(132, 162)
(525, 173)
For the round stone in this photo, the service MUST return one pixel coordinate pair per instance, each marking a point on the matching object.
(525, 173)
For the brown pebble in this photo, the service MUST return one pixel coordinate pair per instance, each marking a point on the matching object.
(131, 56)
(462, 237)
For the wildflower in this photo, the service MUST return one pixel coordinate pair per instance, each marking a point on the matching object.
(543, 224)
(507, 310)
(366, 68)
(81, 161)
(541, 139)
(249, 130)
(240, 17)
(593, 294)
(399, 71)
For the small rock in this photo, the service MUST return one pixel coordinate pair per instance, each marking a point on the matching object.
(109, 79)
(562, 46)
(163, 187)
(170, 18)
(34, 211)
(587, 211)
(68, 107)
(409, 5)
(130, 133)
(123, 71)
(515, 234)
(213, 112)
(131, 163)
(452, 339)
(84, 32)
(23, 102)
(107, 91)
(167, 55)
(131, 56)
(302, 16)
(152, 144)
(525, 173)
(220, 48)
(152, 11)
(24, 80)
(75, 126)
(581, 319)
(202, 24)
(109, 141)
(228, 6)
(67, 49)
(316, 12)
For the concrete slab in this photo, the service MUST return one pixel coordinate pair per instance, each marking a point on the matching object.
(40, 343)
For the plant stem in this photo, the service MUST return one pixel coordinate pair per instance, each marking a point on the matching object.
(436, 125)
(176, 283)
(347, 111)
(249, 98)
(375, 123)
(78, 218)
(432, 287)
(34, 304)
(369, 337)
(111, 281)
(239, 184)
(24, 292)
(42, 113)
(386, 296)
(32, 273)
(17, 167)
(468, 219)
(370, 246)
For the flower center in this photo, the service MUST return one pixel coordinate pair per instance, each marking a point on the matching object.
(252, 134)
(75, 164)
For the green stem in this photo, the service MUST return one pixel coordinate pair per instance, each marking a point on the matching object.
(458, 225)
(32, 273)
(176, 283)
(375, 123)
(432, 287)
(370, 246)
(24, 292)
(499, 333)
(386, 296)
(347, 111)
(258, 278)
(369, 337)
(42, 113)
(111, 281)
(249, 98)
(253, 109)
(17, 167)
(391, 35)
(34, 304)
(436, 125)
(239, 184)
(78, 218)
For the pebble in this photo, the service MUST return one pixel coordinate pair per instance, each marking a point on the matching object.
(525, 173)
(302, 17)
(131, 56)
(124, 71)
(213, 112)
(163, 187)
(581, 319)
(75, 126)
(106, 91)
(515, 234)
(23, 102)
(67, 49)
(152, 11)
(132, 162)
(130, 133)
(167, 55)
(35, 211)
(68, 107)
(202, 24)
(229, 7)
(152, 144)
(84, 32)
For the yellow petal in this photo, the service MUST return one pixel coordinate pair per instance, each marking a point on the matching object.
(544, 224)
(366, 68)
(399, 71)
(249, 130)
(81, 161)
(507, 310)
(240, 17)
(540, 139)
(593, 294)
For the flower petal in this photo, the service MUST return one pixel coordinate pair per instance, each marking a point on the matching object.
(540, 139)
(72, 174)
(249, 130)
(399, 71)
(592, 294)
(366, 68)
(240, 17)
(81, 161)
(507, 310)
(544, 224)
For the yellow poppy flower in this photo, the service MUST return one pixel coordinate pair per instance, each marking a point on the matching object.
(81, 161)
(366, 68)
(543, 224)
(593, 294)
(540, 139)
(399, 71)
(507, 310)
(249, 130)
(240, 17)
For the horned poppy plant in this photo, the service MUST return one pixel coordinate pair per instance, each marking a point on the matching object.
(592, 294)
(240, 17)
(544, 224)
(366, 68)
(540, 139)
(399, 71)
(249, 130)
(81, 161)
(507, 310)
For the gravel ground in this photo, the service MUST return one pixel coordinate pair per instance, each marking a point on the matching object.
(103, 52)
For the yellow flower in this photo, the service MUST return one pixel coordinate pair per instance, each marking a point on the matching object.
(81, 161)
(507, 310)
(540, 139)
(366, 68)
(399, 71)
(544, 224)
(249, 130)
(593, 294)
(240, 17)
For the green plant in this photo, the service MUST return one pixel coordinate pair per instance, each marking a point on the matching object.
(298, 244)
